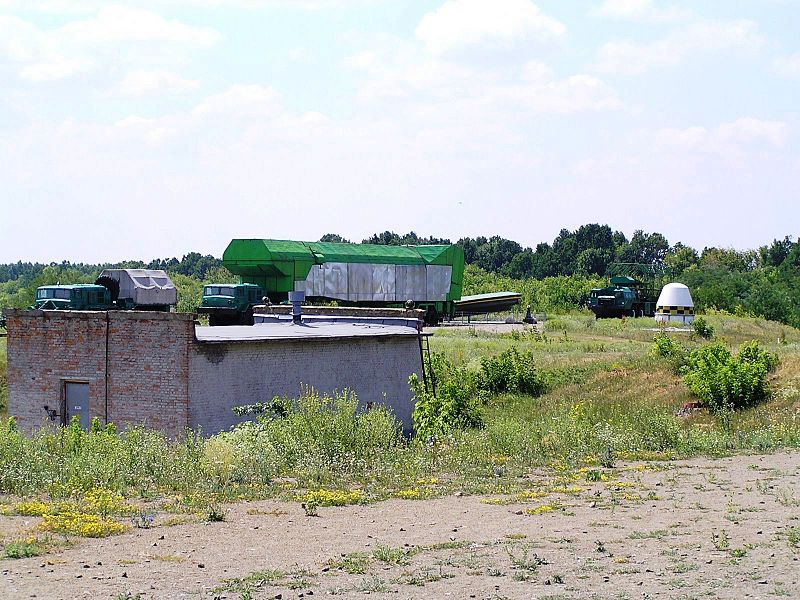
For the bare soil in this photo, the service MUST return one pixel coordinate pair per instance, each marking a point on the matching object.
(702, 528)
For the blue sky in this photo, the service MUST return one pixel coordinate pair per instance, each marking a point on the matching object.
(150, 129)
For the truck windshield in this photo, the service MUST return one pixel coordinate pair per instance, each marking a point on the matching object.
(53, 293)
(218, 290)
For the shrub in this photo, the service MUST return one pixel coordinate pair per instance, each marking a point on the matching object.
(725, 382)
(454, 405)
(511, 372)
(319, 434)
(702, 328)
(665, 347)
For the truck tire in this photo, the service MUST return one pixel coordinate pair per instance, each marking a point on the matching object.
(431, 316)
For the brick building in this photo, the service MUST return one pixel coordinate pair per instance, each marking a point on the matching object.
(164, 371)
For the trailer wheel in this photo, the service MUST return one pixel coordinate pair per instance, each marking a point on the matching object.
(432, 316)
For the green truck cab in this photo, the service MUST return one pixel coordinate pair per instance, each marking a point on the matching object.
(625, 297)
(85, 296)
(230, 303)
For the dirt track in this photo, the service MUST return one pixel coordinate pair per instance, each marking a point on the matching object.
(705, 528)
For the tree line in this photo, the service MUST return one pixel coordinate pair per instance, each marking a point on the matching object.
(763, 282)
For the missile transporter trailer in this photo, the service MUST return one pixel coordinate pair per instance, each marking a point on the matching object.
(425, 277)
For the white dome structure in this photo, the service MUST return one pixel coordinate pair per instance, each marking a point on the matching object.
(675, 304)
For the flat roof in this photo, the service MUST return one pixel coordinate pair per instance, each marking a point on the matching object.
(304, 331)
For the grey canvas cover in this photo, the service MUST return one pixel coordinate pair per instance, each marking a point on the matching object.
(144, 286)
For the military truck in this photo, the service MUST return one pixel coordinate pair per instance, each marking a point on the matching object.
(114, 289)
(230, 303)
(632, 293)
(82, 296)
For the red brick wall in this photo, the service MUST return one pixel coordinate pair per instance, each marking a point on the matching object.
(148, 363)
(149, 369)
(46, 348)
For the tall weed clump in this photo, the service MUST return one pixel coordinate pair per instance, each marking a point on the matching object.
(512, 372)
(666, 347)
(320, 435)
(455, 404)
(723, 381)
(68, 461)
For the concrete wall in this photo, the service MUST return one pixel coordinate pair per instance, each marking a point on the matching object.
(146, 354)
(226, 375)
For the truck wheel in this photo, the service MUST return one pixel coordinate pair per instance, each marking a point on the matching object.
(212, 320)
(432, 316)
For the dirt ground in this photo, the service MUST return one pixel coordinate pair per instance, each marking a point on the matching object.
(727, 528)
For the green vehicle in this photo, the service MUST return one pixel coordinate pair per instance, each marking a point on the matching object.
(632, 293)
(229, 303)
(84, 296)
(114, 289)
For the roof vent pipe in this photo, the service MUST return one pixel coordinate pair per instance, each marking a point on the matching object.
(297, 298)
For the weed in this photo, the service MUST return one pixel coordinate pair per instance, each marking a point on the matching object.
(355, 563)
(332, 497)
(214, 513)
(374, 585)
(245, 586)
(81, 524)
(793, 537)
(702, 328)
(607, 459)
(143, 519)
(720, 540)
(594, 475)
(523, 559)
(656, 534)
(23, 548)
(426, 575)
(393, 556)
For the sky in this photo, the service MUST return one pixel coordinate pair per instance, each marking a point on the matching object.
(137, 130)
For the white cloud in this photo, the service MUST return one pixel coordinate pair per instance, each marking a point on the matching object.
(788, 66)
(144, 82)
(115, 35)
(459, 24)
(634, 58)
(641, 10)
(91, 6)
(726, 139)
(486, 94)
(241, 100)
(114, 24)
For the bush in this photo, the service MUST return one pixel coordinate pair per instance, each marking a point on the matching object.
(318, 434)
(511, 372)
(702, 328)
(455, 405)
(665, 347)
(726, 382)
